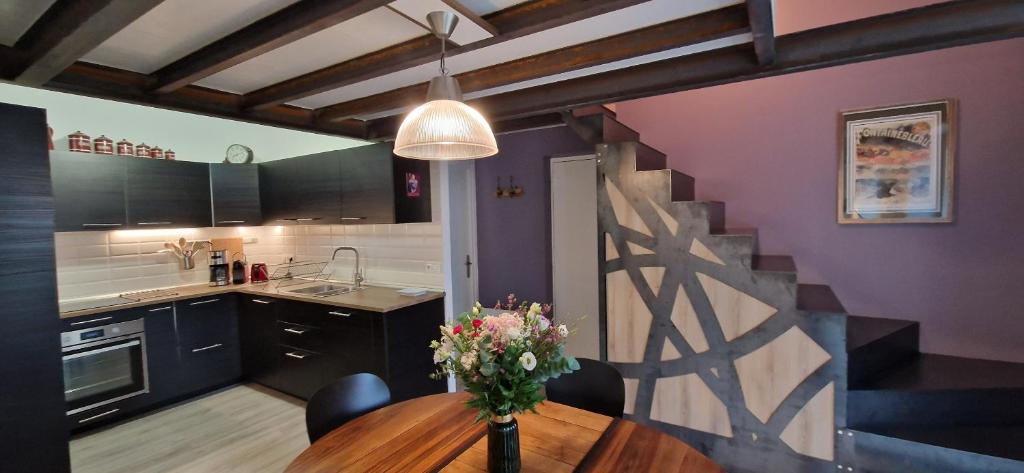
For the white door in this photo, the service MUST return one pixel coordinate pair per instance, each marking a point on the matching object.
(458, 210)
(574, 251)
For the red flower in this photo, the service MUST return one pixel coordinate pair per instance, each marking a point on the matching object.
(457, 329)
(477, 323)
(476, 334)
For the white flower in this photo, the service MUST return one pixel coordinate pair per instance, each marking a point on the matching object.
(528, 360)
(468, 359)
(563, 330)
(476, 311)
(444, 351)
(543, 322)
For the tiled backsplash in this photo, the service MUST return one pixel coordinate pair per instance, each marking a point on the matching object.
(102, 263)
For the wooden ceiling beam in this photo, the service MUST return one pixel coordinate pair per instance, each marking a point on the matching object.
(67, 31)
(289, 24)
(687, 31)
(763, 29)
(510, 23)
(937, 26)
(131, 87)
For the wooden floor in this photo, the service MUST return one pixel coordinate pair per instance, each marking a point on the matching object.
(245, 428)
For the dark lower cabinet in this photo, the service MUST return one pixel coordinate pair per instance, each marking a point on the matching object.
(162, 358)
(257, 324)
(300, 372)
(208, 342)
(32, 414)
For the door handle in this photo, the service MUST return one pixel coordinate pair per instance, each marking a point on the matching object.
(91, 321)
(97, 416)
(353, 218)
(340, 314)
(102, 224)
(297, 356)
(203, 302)
(231, 221)
(158, 309)
(211, 347)
(154, 223)
(261, 301)
(295, 331)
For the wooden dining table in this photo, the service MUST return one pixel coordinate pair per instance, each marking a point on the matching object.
(437, 433)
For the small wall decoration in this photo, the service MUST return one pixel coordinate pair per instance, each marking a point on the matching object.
(511, 191)
(239, 154)
(896, 164)
(412, 185)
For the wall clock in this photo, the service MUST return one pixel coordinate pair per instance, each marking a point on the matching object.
(239, 154)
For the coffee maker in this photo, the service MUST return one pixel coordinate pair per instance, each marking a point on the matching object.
(219, 268)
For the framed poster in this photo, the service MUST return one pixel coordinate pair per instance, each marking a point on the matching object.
(896, 164)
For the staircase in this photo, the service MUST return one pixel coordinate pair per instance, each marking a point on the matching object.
(896, 409)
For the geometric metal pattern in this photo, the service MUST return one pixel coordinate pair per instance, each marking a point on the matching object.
(690, 325)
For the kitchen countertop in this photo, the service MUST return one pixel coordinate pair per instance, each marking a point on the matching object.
(369, 298)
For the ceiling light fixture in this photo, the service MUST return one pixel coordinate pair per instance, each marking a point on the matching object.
(444, 128)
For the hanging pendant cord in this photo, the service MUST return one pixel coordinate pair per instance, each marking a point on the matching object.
(444, 70)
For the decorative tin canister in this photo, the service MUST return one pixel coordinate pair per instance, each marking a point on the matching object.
(142, 150)
(156, 152)
(79, 142)
(125, 148)
(103, 145)
(49, 139)
(169, 154)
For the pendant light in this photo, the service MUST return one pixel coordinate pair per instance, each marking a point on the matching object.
(444, 128)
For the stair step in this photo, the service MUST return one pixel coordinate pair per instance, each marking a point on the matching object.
(875, 345)
(817, 298)
(682, 187)
(773, 263)
(614, 131)
(954, 449)
(649, 159)
(936, 390)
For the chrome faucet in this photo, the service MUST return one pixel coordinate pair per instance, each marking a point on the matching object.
(357, 276)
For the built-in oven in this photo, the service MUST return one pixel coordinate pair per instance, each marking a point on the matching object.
(103, 365)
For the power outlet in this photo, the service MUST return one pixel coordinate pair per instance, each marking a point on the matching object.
(431, 268)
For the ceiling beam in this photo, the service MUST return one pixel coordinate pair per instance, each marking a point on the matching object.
(131, 87)
(469, 14)
(289, 24)
(937, 26)
(67, 31)
(513, 22)
(762, 26)
(687, 31)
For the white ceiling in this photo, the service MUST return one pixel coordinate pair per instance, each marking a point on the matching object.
(363, 34)
(175, 28)
(16, 16)
(627, 19)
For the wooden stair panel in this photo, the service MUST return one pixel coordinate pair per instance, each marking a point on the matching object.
(934, 451)
(818, 298)
(773, 263)
(649, 159)
(875, 345)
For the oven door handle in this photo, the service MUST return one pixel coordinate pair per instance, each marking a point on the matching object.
(88, 352)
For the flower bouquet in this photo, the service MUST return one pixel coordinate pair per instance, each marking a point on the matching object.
(503, 360)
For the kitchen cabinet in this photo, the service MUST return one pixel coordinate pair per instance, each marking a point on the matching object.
(164, 364)
(257, 324)
(32, 413)
(235, 191)
(367, 187)
(88, 191)
(167, 194)
(306, 189)
(208, 343)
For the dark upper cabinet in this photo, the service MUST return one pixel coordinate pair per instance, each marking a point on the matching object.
(88, 191)
(367, 187)
(306, 189)
(163, 193)
(235, 190)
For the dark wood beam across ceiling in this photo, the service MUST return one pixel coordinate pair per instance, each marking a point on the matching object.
(68, 30)
(937, 26)
(513, 22)
(687, 31)
(763, 29)
(289, 24)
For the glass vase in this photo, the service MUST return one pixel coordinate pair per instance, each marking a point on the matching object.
(503, 445)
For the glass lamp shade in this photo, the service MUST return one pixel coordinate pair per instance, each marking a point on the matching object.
(445, 130)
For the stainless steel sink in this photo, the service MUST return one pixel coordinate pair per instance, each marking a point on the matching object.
(323, 290)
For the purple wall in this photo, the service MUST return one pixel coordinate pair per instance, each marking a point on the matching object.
(514, 234)
(768, 149)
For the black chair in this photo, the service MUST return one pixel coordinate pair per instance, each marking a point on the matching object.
(596, 387)
(343, 400)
